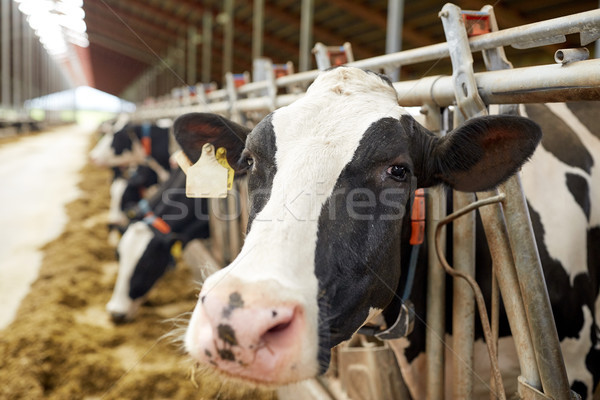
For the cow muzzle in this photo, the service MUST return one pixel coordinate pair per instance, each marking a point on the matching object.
(249, 335)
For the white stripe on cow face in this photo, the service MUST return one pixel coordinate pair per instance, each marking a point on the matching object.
(131, 248)
(316, 137)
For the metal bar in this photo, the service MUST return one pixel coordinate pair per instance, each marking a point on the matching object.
(496, 233)
(192, 56)
(206, 46)
(463, 309)
(545, 83)
(228, 36)
(5, 61)
(588, 21)
(306, 28)
(28, 38)
(506, 37)
(257, 29)
(535, 296)
(436, 282)
(597, 48)
(17, 61)
(393, 42)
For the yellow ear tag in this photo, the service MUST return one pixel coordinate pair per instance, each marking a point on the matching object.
(176, 250)
(207, 178)
(222, 159)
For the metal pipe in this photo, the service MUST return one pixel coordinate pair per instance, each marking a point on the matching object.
(492, 350)
(496, 233)
(597, 50)
(565, 56)
(17, 47)
(257, 29)
(5, 61)
(28, 38)
(206, 46)
(531, 33)
(228, 37)
(393, 41)
(192, 56)
(436, 282)
(463, 307)
(545, 83)
(306, 37)
(535, 296)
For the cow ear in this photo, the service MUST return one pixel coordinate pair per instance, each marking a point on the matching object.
(480, 154)
(194, 130)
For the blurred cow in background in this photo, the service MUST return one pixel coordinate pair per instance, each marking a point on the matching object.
(139, 157)
(159, 223)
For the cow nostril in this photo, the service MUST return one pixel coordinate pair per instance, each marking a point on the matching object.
(279, 327)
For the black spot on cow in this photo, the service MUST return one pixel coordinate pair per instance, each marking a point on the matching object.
(150, 268)
(235, 301)
(226, 355)
(274, 313)
(567, 305)
(579, 388)
(559, 139)
(261, 148)
(587, 113)
(227, 334)
(579, 188)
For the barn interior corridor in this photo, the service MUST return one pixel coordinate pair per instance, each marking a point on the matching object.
(39, 175)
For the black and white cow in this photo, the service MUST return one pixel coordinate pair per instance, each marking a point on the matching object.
(145, 248)
(330, 178)
(138, 154)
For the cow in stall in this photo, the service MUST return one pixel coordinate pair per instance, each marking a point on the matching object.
(139, 157)
(144, 251)
(327, 246)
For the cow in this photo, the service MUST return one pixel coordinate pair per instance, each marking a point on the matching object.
(144, 250)
(330, 182)
(139, 157)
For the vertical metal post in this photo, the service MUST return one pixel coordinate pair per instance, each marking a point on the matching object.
(206, 46)
(505, 274)
(5, 20)
(468, 105)
(463, 307)
(16, 75)
(497, 237)
(393, 41)
(228, 37)
(306, 35)
(535, 295)
(436, 283)
(192, 55)
(28, 38)
(257, 29)
(597, 50)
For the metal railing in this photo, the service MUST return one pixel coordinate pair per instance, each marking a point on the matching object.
(542, 368)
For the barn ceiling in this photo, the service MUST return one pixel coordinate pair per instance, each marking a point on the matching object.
(129, 37)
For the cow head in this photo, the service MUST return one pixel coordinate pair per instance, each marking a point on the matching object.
(330, 177)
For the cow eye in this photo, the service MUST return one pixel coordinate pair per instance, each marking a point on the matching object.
(398, 172)
(246, 160)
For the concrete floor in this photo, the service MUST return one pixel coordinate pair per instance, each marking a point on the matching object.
(38, 176)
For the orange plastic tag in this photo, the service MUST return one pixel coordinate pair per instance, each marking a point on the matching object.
(147, 145)
(417, 224)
